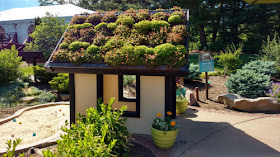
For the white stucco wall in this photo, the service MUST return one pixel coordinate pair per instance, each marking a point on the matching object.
(85, 92)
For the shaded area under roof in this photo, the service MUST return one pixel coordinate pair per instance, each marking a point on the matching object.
(17, 14)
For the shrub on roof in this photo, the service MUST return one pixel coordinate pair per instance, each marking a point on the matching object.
(77, 45)
(93, 49)
(63, 46)
(160, 16)
(143, 26)
(174, 38)
(178, 12)
(109, 17)
(86, 25)
(174, 19)
(78, 19)
(180, 29)
(156, 25)
(143, 15)
(113, 43)
(112, 26)
(101, 25)
(164, 51)
(94, 18)
(100, 39)
(125, 20)
(122, 30)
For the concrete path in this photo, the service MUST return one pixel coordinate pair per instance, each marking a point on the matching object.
(216, 134)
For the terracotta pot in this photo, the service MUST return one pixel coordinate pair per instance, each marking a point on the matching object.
(181, 106)
(164, 139)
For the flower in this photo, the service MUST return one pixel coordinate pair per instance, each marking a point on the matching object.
(159, 114)
(173, 123)
(169, 113)
(177, 84)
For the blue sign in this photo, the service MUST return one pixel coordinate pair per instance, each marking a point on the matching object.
(205, 66)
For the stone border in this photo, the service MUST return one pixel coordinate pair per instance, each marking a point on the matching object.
(41, 143)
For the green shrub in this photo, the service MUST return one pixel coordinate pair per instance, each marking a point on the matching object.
(86, 25)
(60, 83)
(75, 26)
(101, 132)
(41, 74)
(94, 18)
(93, 49)
(33, 91)
(101, 25)
(194, 73)
(271, 50)
(143, 15)
(10, 94)
(128, 79)
(64, 46)
(46, 97)
(174, 19)
(175, 39)
(178, 12)
(112, 26)
(113, 43)
(109, 17)
(160, 16)
(181, 49)
(74, 46)
(11, 148)
(78, 19)
(143, 26)
(125, 20)
(10, 64)
(264, 67)
(230, 59)
(180, 30)
(156, 25)
(100, 39)
(248, 84)
(122, 30)
(163, 52)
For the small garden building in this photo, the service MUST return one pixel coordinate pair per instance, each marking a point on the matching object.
(99, 49)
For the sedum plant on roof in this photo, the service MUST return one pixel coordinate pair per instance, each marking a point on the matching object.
(133, 38)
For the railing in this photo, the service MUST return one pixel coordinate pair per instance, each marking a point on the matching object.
(9, 37)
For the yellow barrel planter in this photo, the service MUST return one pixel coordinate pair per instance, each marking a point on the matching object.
(164, 139)
(181, 106)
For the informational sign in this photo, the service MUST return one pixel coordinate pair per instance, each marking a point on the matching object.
(206, 62)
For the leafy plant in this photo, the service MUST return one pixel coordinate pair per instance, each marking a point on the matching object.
(271, 50)
(264, 67)
(109, 17)
(143, 26)
(157, 25)
(128, 79)
(181, 98)
(116, 42)
(93, 50)
(63, 46)
(101, 25)
(86, 25)
(60, 83)
(94, 18)
(42, 75)
(230, 58)
(10, 94)
(77, 45)
(166, 124)
(32, 91)
(247, 83)
(10, 64)
(46, 97)
(78, 19)
(100, 39)
(174, 19)
(160, 16)
(112, 26)
(194, 73)
(174, 39)
(125, 20)
(11, 148)
(101, 132)
(87, 35)
(122, 30)
(180, 30)
(274, 91)
(143, 14)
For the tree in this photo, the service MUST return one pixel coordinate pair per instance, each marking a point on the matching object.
(46, 35)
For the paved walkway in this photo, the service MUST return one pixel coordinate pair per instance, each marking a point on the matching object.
(208, 134)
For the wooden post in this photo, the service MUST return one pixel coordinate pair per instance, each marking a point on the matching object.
(197, 93)
(206, 84)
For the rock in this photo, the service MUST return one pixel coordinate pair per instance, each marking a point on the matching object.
(28, 99)
(190, 97)
(261, 104)
(64, 96)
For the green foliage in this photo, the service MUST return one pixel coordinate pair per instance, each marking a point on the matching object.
(42, 75)
(264, 67)
(101, 132)
(94, 18)
(128, 79)
(46, 35)
(164, 51)
(86, 25)
(194, 73)
(143, 15)
(113, 43)
(11, 148)
(180, 30)
(230, 59)
(178, 12)
(160, 16)
(165, 124)
(46, 97)
(109, 17)
(122, 30)
(93, 49)
(10, 64)
(112, 26)
(78, 19)
(125, 20)
(74, 46)
(175, 39)
(60, 83)
(100, 39)
(174, 19)
(34, 91)
(101, 25)
(156, 25)
(271, 50)
(248, 84)
(10, 94)
(64, 46)
(143, 26)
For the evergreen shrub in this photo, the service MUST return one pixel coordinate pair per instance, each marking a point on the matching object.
(174, 19)
(264, 67)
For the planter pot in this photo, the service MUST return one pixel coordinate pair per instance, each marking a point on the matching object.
(181, 106)
(181, 92)
(64, 96)
(164, 139)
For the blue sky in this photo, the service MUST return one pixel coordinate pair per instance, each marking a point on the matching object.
(9, 4)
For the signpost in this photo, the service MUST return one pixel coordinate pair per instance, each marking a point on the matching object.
(206, 63)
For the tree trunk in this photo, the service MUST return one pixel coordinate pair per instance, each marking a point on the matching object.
(202, 37)
(234, 34)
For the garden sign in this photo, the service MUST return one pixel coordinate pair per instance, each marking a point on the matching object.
(206, 63)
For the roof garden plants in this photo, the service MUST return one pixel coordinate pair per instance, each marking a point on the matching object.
(131, 38)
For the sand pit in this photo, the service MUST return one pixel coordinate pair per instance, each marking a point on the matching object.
(45, 122)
